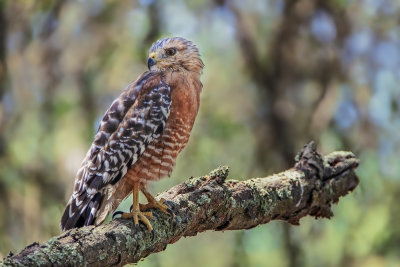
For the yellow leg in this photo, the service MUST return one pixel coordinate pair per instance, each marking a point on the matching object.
(153, 203)
(136, 214)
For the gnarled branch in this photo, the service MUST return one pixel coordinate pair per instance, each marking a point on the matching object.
(206, 203)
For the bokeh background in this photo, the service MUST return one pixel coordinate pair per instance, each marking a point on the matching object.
(278, 74)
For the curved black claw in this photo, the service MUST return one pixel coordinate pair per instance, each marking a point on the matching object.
(152, 235)
(117, 213)
(137, 226)
(131, 208)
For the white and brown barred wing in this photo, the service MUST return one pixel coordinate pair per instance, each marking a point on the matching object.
(136, 118)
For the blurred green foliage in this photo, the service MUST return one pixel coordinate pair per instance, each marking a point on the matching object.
(278, 73)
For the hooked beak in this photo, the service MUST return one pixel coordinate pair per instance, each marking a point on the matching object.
(151, 60)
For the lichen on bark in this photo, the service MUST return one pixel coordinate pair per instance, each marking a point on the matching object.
(206, 203)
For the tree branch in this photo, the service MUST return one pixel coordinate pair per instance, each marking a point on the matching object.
(206, 203)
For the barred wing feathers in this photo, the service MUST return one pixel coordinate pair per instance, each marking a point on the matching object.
(136, 118)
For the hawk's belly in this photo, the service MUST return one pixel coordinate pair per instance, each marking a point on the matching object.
(158, 159)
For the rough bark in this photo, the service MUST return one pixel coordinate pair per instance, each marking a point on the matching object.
(206, 203)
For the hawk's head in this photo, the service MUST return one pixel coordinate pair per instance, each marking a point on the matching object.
(174, 53)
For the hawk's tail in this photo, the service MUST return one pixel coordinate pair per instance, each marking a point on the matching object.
(82, 214)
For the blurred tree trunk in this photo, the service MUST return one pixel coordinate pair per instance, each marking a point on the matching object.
(3, 87)
(3, 50)
(154, 15)
(278, 78)
(50, 52)
(239, 258)
(3, 71)
(50, 61)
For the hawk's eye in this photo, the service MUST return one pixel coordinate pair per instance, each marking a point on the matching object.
(170, 51)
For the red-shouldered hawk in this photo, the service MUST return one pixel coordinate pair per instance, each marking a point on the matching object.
(139, 137)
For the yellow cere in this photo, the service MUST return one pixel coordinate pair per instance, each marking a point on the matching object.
(152, 55)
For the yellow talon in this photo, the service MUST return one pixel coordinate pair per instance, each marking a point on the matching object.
(139, 216)
(136, 214)
(139, 212)
(153, 203)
